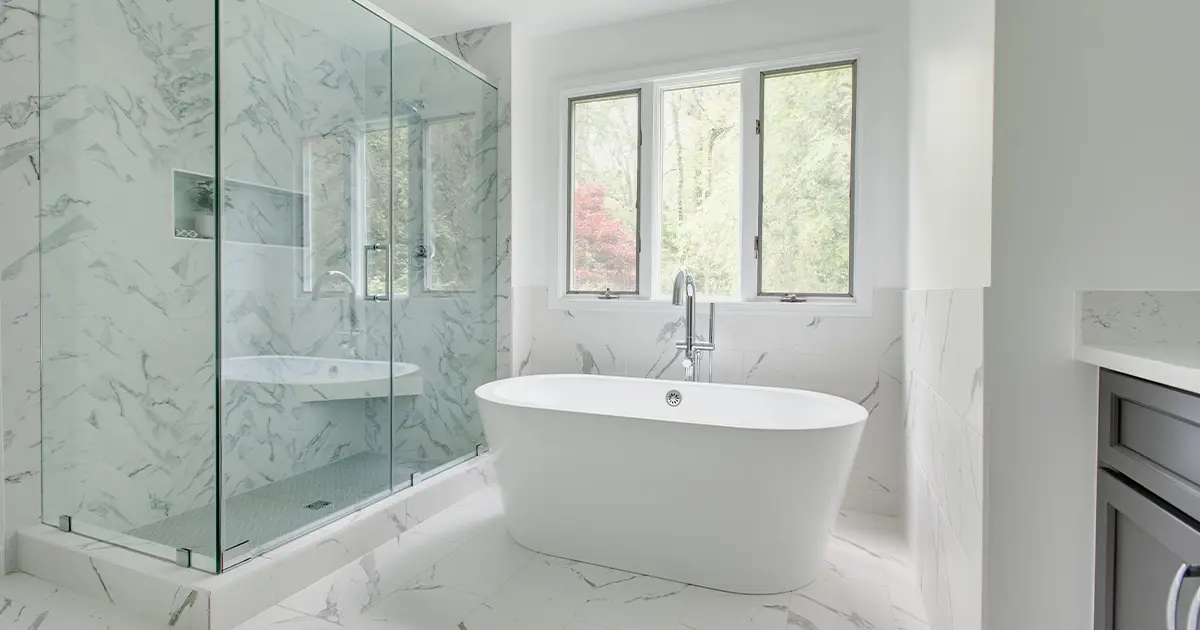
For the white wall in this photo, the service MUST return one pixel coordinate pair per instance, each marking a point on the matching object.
(949, 262)
(950, 143)
(1097, 150)
(859, 358)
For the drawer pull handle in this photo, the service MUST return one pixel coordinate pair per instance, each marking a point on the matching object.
(1185, 571)
(1194, 613)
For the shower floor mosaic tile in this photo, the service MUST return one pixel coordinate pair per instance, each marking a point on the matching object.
(278, 509)
(460, 571)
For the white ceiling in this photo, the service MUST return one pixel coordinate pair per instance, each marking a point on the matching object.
(540, 17)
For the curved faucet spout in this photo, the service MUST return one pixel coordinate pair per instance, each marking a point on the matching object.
(329, 276)
(685, 287)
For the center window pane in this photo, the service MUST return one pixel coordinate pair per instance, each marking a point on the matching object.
(701, 140)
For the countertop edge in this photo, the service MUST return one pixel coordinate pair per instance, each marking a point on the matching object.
(1148, 368)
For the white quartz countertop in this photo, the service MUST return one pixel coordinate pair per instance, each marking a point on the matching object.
(1174, 365)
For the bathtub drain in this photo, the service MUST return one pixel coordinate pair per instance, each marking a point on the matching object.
(674, 398)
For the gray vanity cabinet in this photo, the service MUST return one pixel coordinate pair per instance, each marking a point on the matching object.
(1148, 504)
(1142, 549)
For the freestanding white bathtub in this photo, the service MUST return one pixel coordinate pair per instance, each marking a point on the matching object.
(735, 489)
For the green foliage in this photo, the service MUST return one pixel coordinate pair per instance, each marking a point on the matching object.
(605, 162)
(807, 124)
(701, 163)
(383, 212)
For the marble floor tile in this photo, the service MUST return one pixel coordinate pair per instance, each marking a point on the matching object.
(359, 585)
(706, 609)
(635, 602)
(280, 618)
(480, 566)
(419, 608)
(833, 603)
(461, 571)
(908, 621)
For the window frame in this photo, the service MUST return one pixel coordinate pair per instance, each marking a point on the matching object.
(640, 264)
(750, 67)
(758, 164)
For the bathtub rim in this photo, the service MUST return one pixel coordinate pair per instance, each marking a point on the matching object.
(854, 414)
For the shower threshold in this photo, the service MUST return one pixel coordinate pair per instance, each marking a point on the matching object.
(187, 599)
(273, 513)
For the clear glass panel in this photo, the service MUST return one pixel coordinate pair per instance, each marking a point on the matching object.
(807, 175)
(306, 375)
(604, 193)
(451, 180)
(444, 317)
(388, 146)
(128, 314)
(701, 170)
(166, 395)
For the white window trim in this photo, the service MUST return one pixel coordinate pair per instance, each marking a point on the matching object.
(747, 66)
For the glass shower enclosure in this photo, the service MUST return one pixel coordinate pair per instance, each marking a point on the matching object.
(268, 254)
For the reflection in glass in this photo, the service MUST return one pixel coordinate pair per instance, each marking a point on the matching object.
(216, 380)
(446, 326)
(450, 220)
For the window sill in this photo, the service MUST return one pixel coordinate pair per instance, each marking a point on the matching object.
(827, 307)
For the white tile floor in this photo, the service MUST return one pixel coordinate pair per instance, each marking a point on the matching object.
(461, 571)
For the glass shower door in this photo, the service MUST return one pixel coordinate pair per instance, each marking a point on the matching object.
(307, 378)
(127, 283)
(444, 256)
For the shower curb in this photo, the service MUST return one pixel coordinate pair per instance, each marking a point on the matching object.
(193, 600)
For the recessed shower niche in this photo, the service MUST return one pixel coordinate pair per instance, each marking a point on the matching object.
(251, 213)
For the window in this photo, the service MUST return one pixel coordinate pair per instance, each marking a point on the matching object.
(432, 215)
(806, 180)
(746, 176)
(605, 148)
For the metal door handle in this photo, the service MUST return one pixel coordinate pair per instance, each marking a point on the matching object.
(367, 272)
(1185, 571)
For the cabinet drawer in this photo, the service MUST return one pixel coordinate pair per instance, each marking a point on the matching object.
(1151, 434)
(1147, 561)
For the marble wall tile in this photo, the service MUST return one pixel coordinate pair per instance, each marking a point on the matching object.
(945, 450)
(126, 310)
(857, 358)
(490, 50)
(19, 316)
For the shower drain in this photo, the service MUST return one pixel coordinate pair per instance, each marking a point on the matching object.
(318, 505)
